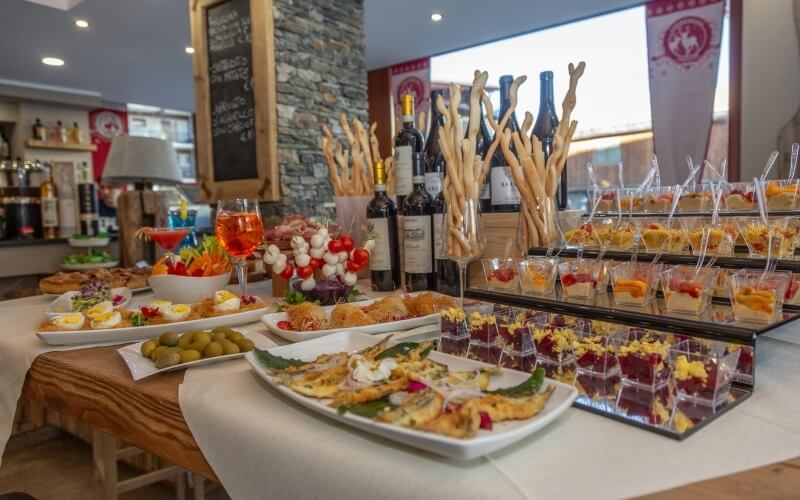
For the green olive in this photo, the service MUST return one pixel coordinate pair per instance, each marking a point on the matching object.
(185, 340)
(245, 345)
(158, 350)
(169, 339)
(203, 337)
(222, 329)
(148, 347)
(229, 347)
(190, 355)
(167, 358)
(218, 336)
(212, 350)
(235, 336)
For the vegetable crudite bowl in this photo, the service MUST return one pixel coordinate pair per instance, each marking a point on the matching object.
(187, 289)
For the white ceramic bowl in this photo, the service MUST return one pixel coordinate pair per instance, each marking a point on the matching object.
(187, 289)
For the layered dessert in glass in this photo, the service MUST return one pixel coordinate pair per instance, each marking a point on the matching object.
(757, 296)
(698, 198)
(703, 375)
(775, 239)
(687, 289)
(739, 197)
(501, 274)
(781, 195)
(720, 237)
(537, 275)
(579, 277)
(581, 236)
(454, 338)
(662, 236)
(659, 199)
(644, 360)
(634, 283)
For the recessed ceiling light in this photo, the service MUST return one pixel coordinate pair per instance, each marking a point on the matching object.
(82, 23)
(53, 61)
(189, 50)
(436, 17)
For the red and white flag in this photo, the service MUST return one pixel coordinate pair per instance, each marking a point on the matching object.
(412, 77)
(683, 40)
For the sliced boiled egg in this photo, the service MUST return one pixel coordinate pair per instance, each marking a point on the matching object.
(232, 304)
(161, 305)
(70, 321)
(107, 320)
(99, 309)
(221, 296)
(176, 312)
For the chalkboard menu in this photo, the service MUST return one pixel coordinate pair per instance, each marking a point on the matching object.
(230, 73)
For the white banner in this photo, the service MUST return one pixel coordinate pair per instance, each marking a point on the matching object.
(412, 77)
(683, 39)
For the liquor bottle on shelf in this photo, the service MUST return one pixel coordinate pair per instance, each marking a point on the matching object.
(60, 132)
(384, 261)
(434, 159)
(75, 135)
(65, 185)
(88, 202)
(418, 232)
(505, 196)
(407, 142)
(39, 132)
(446, 270)
(545, 129)
(49, 205)
(482, 142)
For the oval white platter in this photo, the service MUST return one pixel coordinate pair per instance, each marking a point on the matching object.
(486, 442)
(63, 304)
(89, 266)
(127, 334)
(271, 320)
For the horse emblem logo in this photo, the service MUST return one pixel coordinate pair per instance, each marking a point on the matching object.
(687, 39)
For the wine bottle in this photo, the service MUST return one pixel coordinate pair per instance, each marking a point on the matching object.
(545, 129)
(39, 132)
(505, 196)
(418, 232)
(407, 142)
(48, 196)
(434, 160)
(384, 261)
(88, 203)
(446, 270)
(482, 143)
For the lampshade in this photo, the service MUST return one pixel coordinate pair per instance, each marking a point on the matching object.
(141, 159)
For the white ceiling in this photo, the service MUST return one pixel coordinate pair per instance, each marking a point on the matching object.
(134, 49)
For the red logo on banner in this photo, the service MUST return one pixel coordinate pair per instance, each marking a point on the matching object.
(105, 124)
(414, 86)
(687, 39)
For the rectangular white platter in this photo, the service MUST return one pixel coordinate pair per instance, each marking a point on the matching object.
(486, 442)
(128, 334)
(271, 320)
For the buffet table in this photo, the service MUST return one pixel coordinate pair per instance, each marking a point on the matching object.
(292, 452)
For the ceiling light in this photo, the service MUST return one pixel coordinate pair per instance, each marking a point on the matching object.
(436, 17)
(189, 50)
(53, 61)
(82, 23)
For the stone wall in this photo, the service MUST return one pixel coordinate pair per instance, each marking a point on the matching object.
(321, 71)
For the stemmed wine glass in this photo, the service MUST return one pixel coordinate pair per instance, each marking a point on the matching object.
(463, 242)
(239, 231)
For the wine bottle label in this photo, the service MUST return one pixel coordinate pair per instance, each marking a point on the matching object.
(49, 212)
(433, 183)
(486, 192)
(418, 245)
(504, 192)
(438, 223)
(380, 259)
(403, 170)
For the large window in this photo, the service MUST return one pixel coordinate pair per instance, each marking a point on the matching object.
(613, 96)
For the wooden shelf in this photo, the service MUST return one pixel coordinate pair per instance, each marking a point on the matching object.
(61, 146)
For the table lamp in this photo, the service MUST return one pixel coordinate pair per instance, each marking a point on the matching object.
(141, 161)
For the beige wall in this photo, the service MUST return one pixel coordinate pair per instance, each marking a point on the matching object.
(770, 79)
(50, 113)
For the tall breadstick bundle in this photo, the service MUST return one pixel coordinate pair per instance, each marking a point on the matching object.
(350, 171)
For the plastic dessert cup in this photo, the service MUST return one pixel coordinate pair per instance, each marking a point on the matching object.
(744, 368)
(501, 274)
(581, 235)
(563, 372)
(720, 237)
(688, 290)
(537, 275)
(454, 337)
(607, 200)
(781, 195)
(644, 360)
(776, 239)
(659, 200)
(703, 376)
(518, 352)
(739, 197)
(632, 201)
(597, 369)
(661, 235)
(635, 283)
(792, 287)
(554, 344)
(615, 235)
(695, 199)
(579, 277)
(757, 297)
(650, 407)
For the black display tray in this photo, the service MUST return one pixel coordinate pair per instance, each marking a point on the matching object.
(722, 213)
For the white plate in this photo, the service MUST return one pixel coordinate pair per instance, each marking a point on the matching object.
(141, 367)
(89, 266)
(503, 434)
(63, 304)
(271, 320)
(89, 242)
(70, 337)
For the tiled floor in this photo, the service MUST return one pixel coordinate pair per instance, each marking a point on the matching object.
(61, 469)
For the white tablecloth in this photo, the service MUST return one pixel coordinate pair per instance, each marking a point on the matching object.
(260, 444)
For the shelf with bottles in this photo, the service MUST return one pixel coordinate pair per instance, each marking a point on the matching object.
(667, 383)
(60, 146)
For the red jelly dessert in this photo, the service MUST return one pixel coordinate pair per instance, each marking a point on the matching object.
(554, 344)
(482, 327)
(644, 361)
(452, 322)
(696, 377)
(594, 354)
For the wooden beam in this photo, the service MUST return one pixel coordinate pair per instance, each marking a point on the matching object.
(379, 94)
(735, 92)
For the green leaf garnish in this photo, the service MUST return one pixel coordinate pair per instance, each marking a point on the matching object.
(276, 362)
(354, 295)
(294, 298)
(370, 409)
(527, 388)
(137, 319)
(400, 349)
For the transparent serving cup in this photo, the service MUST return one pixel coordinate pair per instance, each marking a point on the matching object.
(720, 237)
(580, 233)
(687, 289)
(606, 200)
(643, 358)
(579, 278)
(501, 274)
(635, 283)
(537, 275)
(781, 194)
(696, 199)
(739, 197)
(662, 235)
(518, 351)
(703, 375)
(658, 200)
(631, 200)
(615, 234)
(554, 344)
(775, 239)
(757, 296)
